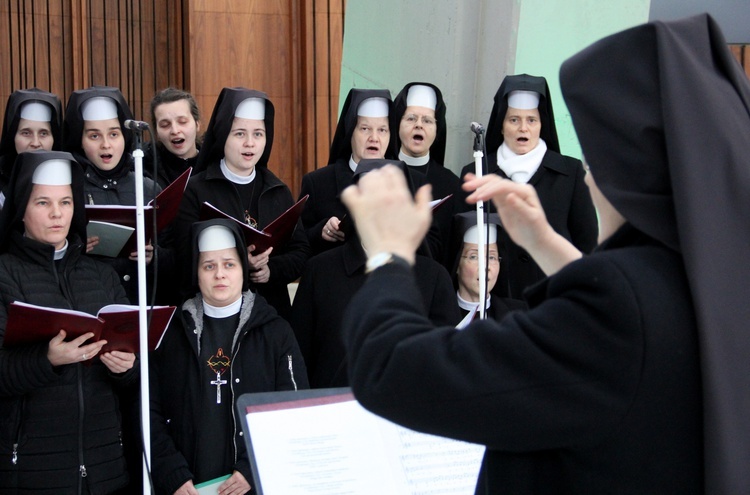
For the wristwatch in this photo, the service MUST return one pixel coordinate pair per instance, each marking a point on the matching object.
(384, 258)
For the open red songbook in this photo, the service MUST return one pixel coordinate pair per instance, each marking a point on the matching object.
(276, 233)
(115, 323)
(115, 224)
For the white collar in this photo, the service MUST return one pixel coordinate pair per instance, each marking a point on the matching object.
(232, 177)
(520, 168)
(60, 253)
(469, 305)
(414, 161)
(224, 311)
(352, 164)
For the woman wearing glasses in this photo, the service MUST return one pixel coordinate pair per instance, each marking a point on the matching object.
(466, 267)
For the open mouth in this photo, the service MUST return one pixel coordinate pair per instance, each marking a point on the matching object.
(418, 138)
(248, 155)
(522, 140)
(106, 157)
(373, 149)
(178, 142)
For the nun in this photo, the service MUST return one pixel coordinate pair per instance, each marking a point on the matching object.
(629, 372)
(33, 121)
(96, 136)
(60, 431)
(419, 116)
(466, 273)
(522, 145)
(363, 131)
(232, 174)
(329, 282)
(226, 341)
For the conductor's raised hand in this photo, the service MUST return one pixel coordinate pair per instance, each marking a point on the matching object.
(60, 352)
(388, 219)
(518, 205)
(523, 219)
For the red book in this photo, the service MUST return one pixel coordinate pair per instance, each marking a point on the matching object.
(115, 323)
(166, 203)
(276, 233)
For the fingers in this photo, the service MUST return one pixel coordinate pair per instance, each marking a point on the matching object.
(60, 352)
(331, 232)
(117, 361)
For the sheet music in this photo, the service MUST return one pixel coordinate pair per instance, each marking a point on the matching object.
(343, 449)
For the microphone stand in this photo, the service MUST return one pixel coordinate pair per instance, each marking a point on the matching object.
(142, 310)
(482, 262)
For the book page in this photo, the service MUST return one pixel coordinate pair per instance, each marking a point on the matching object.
(344, 449)
(112, 237)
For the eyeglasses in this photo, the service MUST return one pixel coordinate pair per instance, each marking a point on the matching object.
(473, 258)
(413, 119)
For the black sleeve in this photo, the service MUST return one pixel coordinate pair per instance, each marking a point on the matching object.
(530, 381)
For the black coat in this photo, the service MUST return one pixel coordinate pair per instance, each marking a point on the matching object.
(595, 389)
(55, 419)
(444, 182)
(286, 263)
(330, 281)
(324, 186)
(121, 191)
(260, 362)
(567, 204)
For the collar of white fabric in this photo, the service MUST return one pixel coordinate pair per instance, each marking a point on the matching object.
(60, 253)
(468, 305)
(352, 164)
(224, 311)
(232, 177)
(414, 161)
(520, 168)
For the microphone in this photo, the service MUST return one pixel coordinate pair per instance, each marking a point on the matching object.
(476, 128)
(137, 125)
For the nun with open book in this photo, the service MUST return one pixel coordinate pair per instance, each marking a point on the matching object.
(60, 430)
(232, 175)
(95, 134)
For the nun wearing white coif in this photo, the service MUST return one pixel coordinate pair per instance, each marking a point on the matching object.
(59, 420)
(522, 145)
(420, 132)
(232, 174)
(226, 341)
(33, 121)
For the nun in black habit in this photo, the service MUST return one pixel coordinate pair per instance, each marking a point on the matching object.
(520, 150)
(232, 174)
(420, 133)
(40, 112)
(95, 134)
(628, 374)
(330, 281)
(60, 429)
(324, 212)
(225, 341)
(465, 274)
(363, 132)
